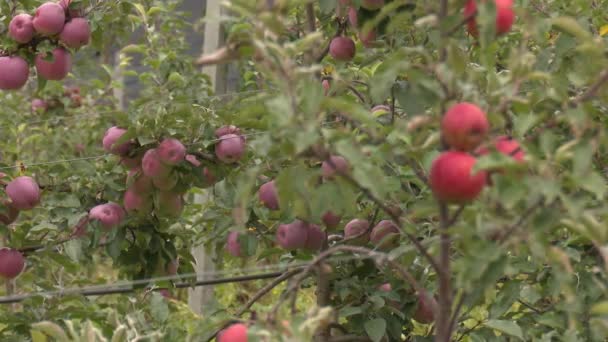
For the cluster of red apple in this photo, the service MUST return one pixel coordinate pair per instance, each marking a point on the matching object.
(463, 128)
(23, 194)
(72, 93)
(55, 22)
(152, 181)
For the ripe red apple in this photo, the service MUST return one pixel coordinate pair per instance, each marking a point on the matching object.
(138, 181)
(152, 166)
(56, 69)
(170, 204)
(268, 195)
(12, 263)
(165, 183)
(452, 180)
(292, 235)
(23, 192)
(325, 84)
(372, 4)
(330, 219)
(356, 227)
(14, 72)
(39, 106)
(49, 19)
(335, 165)
(235, 333)
(353, 17)
(233, 245)
(385, 235)
(230, 148)
(505, 16)
(109, 215)
(131, 162)
(464, 126)
(137, 203)
(72, 12)
(342, 49)
(9, 213)
(171, 151)
(507, 146)
(76, 33)
(424, 309)
(190, 158)
(315, 237)
(112, 135)
(231, 129)
(21, 28)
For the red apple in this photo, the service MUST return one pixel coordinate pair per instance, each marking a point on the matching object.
(336, 164)
(424, 309)
(109, 215)
(12, 263)
(49, 19)
(342, 49)
(170, 204)
(76, 33)
(138, 181)
(315, 238)
(368, 38)
(23, 192)
(137, 203)
(190, 158)
(353, 17)
(507, 146)
(233, 246)
(235, 333)
(355, 228)
(452, 180)
(39, 106)
(72, 12)
(325, 84)
(505, 16)
(14, 72)
(171, 151)
(112, 135)
(464, 126)
(21, 28)
(173, 266)
(230, 148)
(231, 129)
(57, 68)
(386, 287)
(385, 235)
(293, 235)
(152, 166)
(165, 183)
(330, 219)
(268, 195)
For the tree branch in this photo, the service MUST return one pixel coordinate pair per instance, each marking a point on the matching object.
(592, 90)
(445, 289)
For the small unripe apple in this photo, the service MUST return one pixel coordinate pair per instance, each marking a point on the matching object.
(464, 126)
(112, 135)
(57, 68)
(355, 228)
(385, 235)
(292, 235)
(505, 16)
(372, 4)
(137, 203)
(452, 180)
(14, 72)
(335, 165)
(49, 19)
(12, 263)
(109, 215)
(331, 220)
(171, 151)
(231, 129)
(152, 166)
(170, 204)
(235, 333)
(39, 106)
(268, 195)
(230, 148)
(315, 238)
(21, 28)
(23, 192)
(76, 33)
(9, 213)
(233, 245)
(424, 309)
(342, 49)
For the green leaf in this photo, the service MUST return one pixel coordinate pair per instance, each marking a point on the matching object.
(52, 330)
(507, 327)
(571, 26)
(375, 329)
(600, 308)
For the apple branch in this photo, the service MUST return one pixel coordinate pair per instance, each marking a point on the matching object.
(592, 90)
(445, 290)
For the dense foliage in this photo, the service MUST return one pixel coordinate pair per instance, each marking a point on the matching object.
(349, 131)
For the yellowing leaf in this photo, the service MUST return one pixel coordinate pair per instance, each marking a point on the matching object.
(603, 30)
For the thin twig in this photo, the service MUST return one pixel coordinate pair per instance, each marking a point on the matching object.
(592, 90)
(522, 219)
